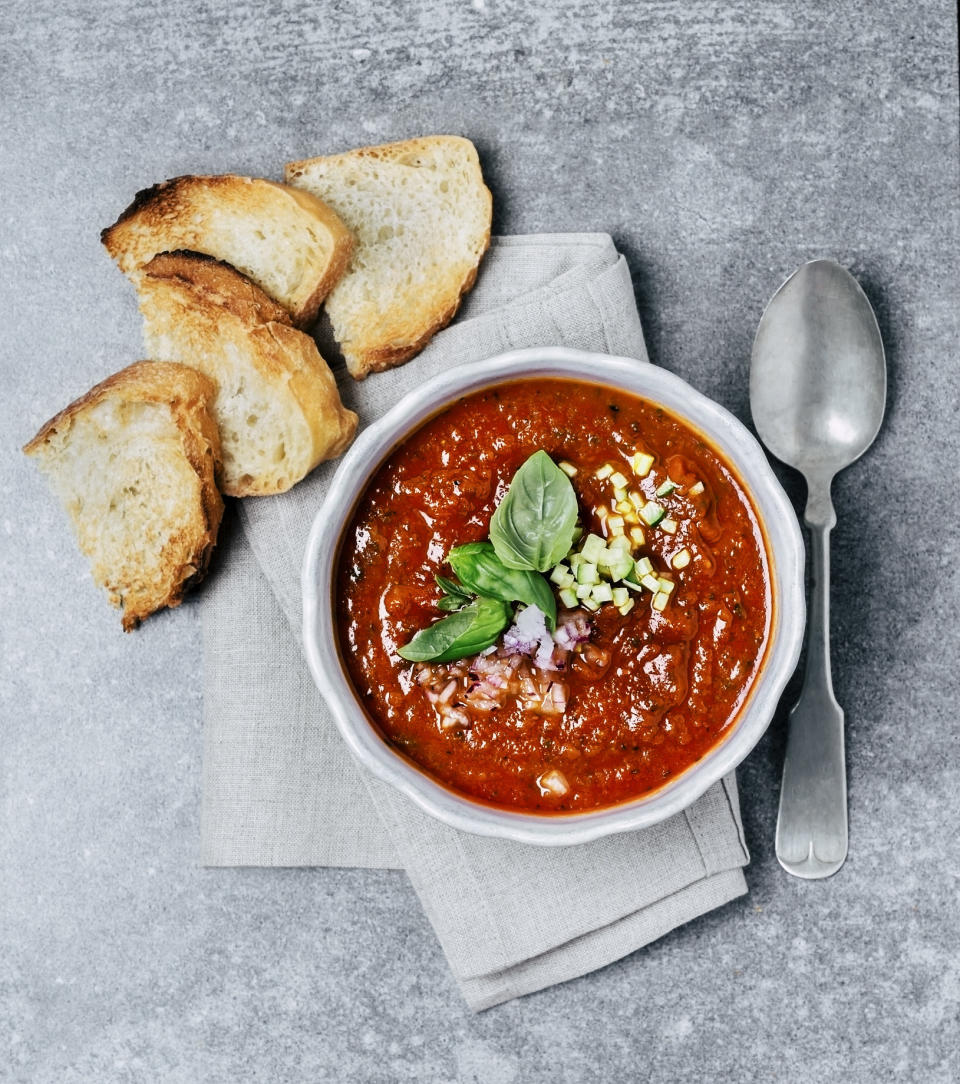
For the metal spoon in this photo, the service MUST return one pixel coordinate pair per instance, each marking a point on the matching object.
(818, 388)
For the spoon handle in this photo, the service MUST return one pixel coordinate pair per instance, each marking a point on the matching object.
(812, 823)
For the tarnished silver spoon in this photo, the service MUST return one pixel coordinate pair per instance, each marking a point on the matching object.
(818, 388)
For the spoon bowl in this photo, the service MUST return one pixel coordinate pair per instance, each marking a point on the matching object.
(818, 382)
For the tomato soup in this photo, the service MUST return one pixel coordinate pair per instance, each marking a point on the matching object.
(639, 674)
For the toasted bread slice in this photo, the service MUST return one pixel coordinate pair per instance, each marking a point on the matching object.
(133, 461)
(287, 241)
(277, 403)
(421, 215)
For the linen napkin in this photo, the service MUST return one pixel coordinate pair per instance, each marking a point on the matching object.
(280, 788)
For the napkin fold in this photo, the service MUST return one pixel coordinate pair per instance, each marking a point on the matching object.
(280, 788)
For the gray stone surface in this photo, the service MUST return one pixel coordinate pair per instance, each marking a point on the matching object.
(722, 144)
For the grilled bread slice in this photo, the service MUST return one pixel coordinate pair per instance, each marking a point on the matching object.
(276, 403)
(421, 215)
(284, 239)
(133, 461)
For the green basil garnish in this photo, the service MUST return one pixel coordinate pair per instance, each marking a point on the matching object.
(481, 570)
(454, 595)
(466, 632)
(533, 525)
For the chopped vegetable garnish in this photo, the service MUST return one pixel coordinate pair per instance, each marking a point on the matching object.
(560, 573)
(593, 546)
(568, 468)
(641, 463)
(637, 537)
(602, 592)
(604, 472)
(660, 601)
(669, 525)
(666, 488)
(651, 513)
(618, 480)
(587, 573)
(626, 607)
(681, 559)
(651, 583)
(644, 566)
(569, 598)
(666, 586)
(696, 489)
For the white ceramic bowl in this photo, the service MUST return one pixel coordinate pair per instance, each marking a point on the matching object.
(785, 551)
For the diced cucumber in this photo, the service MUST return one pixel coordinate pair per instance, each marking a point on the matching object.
(669, 525)
(640, 463)
(583, 590)
(618, 480)
(604, 472)
(587, 573)
(575, 559)
(559, 573)
(666, 586)
(569, 598)
(637, 537)
(644, 566)
(568, 468)
(615, 524)
(592, 549)
(652, 513)
(632, 585)
(681, 559)
(621, 566)
(666, 488)
(590, 605)
(625, 508)
(619, 595)
(619, 544)
(696, 489)
(602, 592)
(660, 601)
(651, 583)
(626, 607)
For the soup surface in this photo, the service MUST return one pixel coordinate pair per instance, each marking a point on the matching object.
(624, 694)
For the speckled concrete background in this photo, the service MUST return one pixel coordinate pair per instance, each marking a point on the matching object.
(722, 143)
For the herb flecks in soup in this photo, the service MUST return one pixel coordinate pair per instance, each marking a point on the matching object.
(554, 596)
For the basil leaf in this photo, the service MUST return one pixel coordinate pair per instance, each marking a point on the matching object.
(452, 602)
(467, 632)
(482, 571)
(455, 590)
(533, 525)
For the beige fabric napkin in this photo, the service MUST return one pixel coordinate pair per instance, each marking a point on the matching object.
(279, 787)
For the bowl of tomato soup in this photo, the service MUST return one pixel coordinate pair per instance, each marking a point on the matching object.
(553, 595)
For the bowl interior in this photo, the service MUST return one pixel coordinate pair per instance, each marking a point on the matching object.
(785, 559)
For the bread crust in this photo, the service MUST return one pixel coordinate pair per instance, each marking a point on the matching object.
(188, 395)
(171, 216)
(410, 332)
(217, 306)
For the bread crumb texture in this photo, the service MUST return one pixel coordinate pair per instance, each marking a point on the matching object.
(134, 462)
(421, 216)
(276, 401)
(286, 240)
